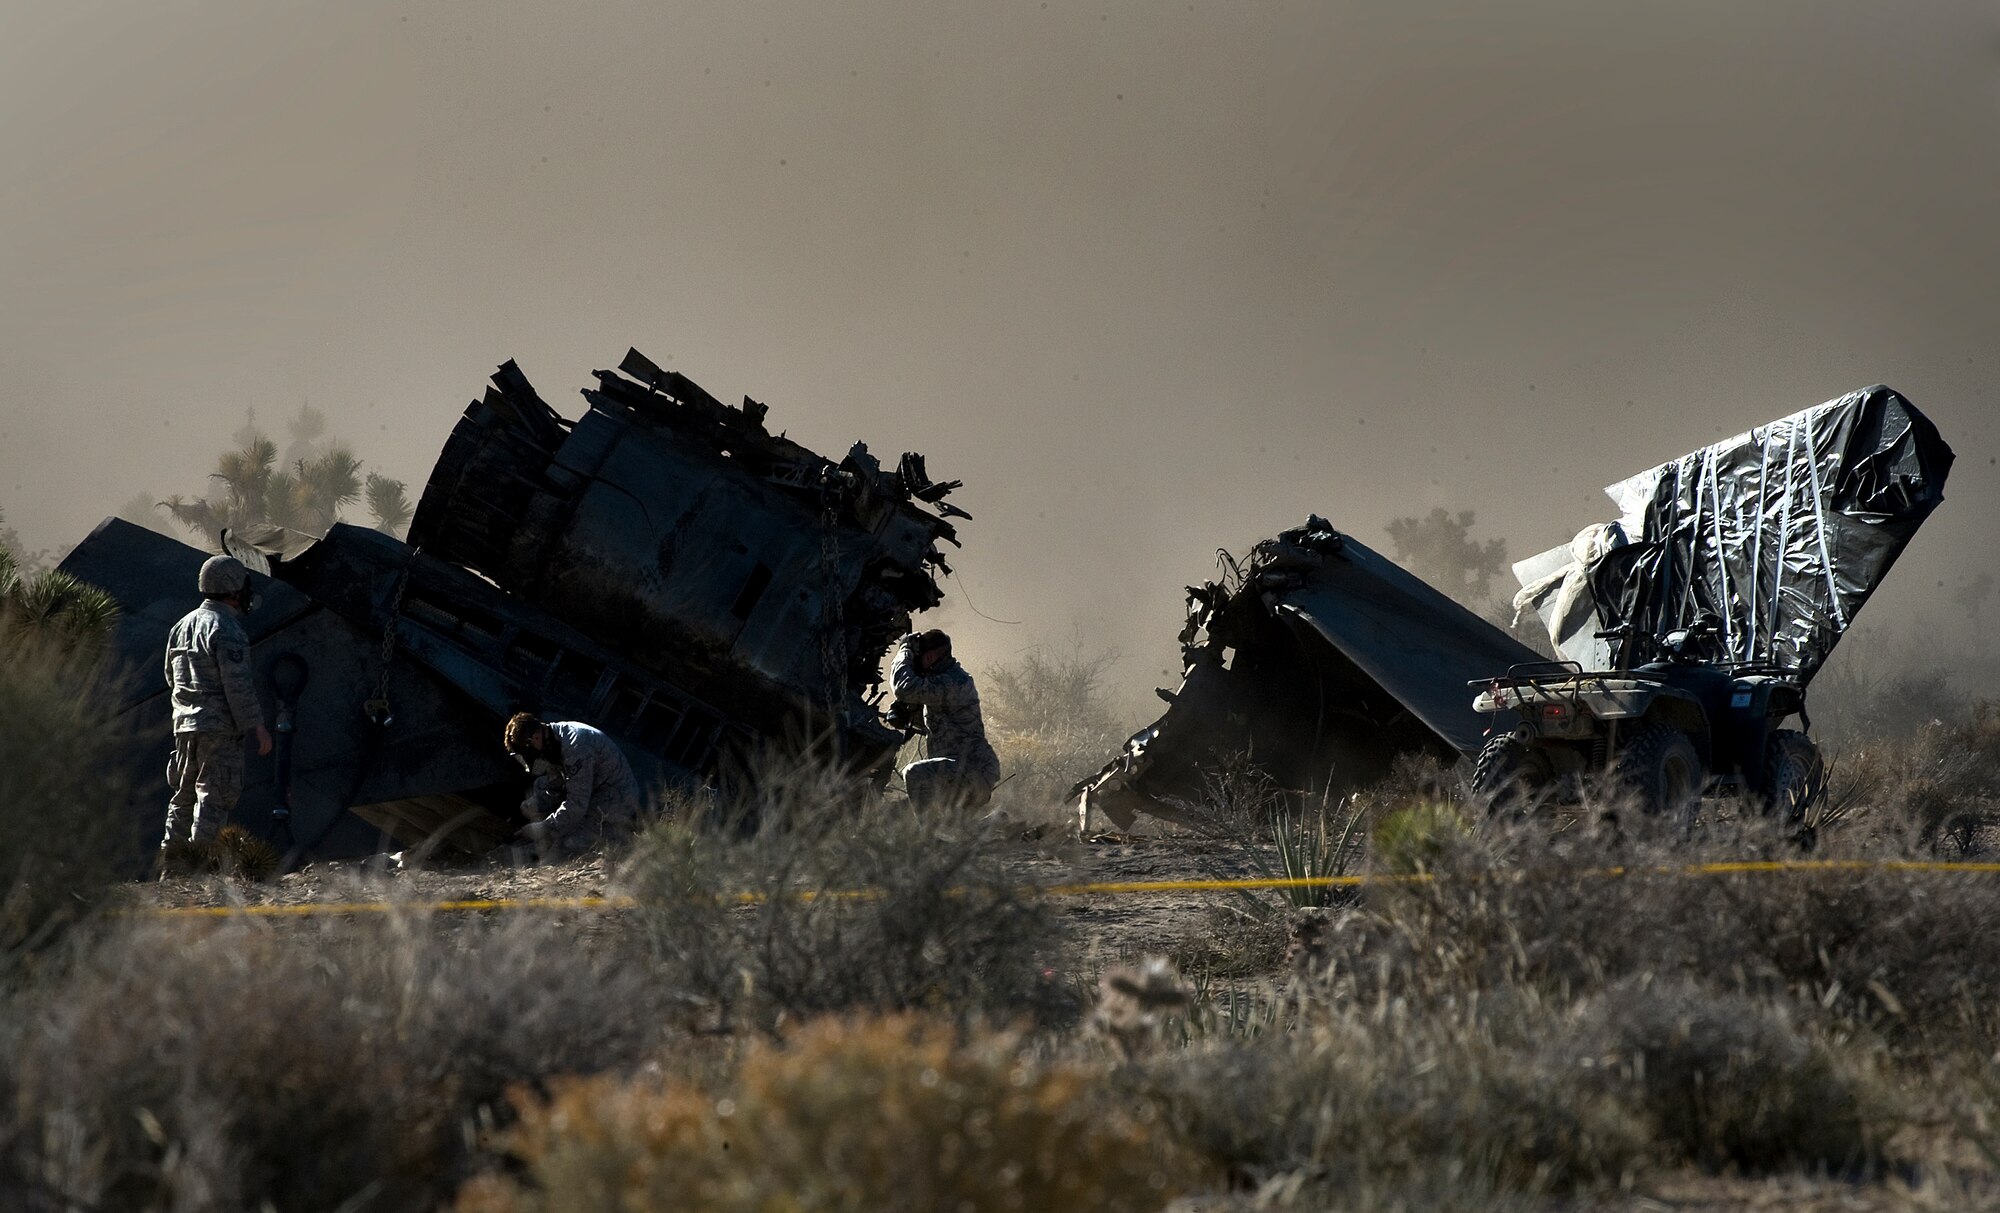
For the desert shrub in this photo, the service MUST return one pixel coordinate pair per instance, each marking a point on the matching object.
(872, 1114)
(1311, 1190)
(1050, 691)
(1513, 1092)
(1230, 940)
(1878, 687)
(233, 851)
(223, 1067)
(1588, 907)
(1935, 784)
(1724, 1080)
(1386, 1095)
(61, 802)
(1412, 838)
(1051, 719)
(867, 907)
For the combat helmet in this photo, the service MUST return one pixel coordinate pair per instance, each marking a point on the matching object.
(222, 576)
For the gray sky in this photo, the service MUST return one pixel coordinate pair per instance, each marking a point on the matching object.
(1152, 279)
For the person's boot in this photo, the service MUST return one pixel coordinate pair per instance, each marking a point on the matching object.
(172, 861)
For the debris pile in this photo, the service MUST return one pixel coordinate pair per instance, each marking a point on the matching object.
(1318, 661)
(663, 567)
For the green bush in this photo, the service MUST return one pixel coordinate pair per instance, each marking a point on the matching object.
(1414, 838)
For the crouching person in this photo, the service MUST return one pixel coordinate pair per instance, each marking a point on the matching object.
(959, 769)
(585, 794)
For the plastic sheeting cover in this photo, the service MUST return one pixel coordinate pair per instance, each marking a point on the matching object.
(1780, 535)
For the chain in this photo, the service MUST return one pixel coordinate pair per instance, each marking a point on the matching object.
(377, 708)
(832, 654)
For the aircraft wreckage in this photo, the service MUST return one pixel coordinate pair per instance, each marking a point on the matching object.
(664, 567)
(1319, 661)
(671, 571)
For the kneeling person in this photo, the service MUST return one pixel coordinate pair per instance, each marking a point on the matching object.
(585, 793)
(959, 769)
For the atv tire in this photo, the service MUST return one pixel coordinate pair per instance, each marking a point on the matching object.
(1510, 775)
(1660, 769)
(1794, 780)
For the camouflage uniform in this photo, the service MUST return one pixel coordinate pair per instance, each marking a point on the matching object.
(959, 766)
(214, 704)
(600, 795)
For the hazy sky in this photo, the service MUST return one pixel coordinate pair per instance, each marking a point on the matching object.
(1151, 278)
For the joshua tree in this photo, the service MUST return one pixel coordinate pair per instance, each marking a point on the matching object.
(52, 605)
(306, 491)
(1440, 549)
(388, 503)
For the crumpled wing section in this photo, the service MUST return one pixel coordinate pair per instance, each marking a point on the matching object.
(1317, 662)
(1415, 643)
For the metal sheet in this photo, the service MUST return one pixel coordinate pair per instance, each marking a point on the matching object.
(1319, 661)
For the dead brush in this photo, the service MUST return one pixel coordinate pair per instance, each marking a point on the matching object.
(826, 905)
(342, 1065)
(233, 852)
(1516, 906)
(891, 1114)
(1936, 786)
(62, 801)
(1051, 720)
(1387, 1095)
(1136, 1003)
(1728, 1081)
(1515, 1092)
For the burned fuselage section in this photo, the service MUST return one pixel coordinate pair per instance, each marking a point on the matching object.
(664, 568)
(1316, 660)
(735, 565)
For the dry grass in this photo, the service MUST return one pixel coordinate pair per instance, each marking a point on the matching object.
(1050, 716)
(220, 1068)
(1902, 954)
(866, 1115)
(66, 838)
(1933, 787)
(1525, 1029)
(865, 907)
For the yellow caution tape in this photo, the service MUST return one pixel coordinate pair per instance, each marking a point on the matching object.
(1090, 889)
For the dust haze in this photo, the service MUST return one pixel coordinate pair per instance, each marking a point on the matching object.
(1152, 279)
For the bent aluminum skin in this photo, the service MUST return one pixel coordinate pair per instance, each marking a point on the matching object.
(1316, 660)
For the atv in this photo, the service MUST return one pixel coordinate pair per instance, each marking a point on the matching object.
(1666, 732)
